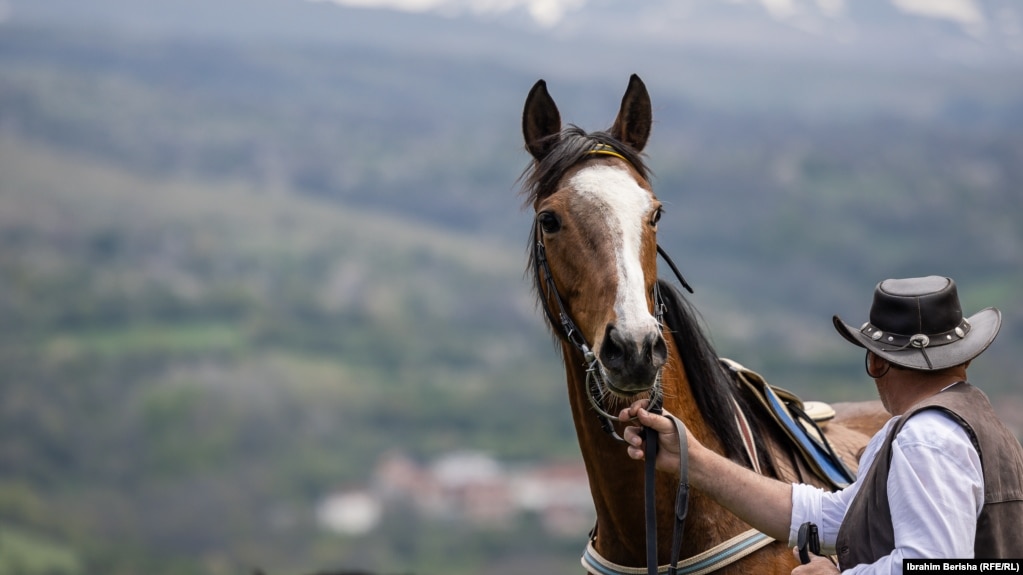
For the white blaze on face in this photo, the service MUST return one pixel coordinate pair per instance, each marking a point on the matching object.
(626, 207)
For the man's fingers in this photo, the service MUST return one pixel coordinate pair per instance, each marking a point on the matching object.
(633, 435)
(658, 423)
(629, 413)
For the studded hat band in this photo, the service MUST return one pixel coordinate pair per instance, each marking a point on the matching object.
(895, 342)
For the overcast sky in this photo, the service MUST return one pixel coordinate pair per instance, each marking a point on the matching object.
(550, 12)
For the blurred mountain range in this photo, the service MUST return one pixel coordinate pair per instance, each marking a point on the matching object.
(807, 55)
(975, 32)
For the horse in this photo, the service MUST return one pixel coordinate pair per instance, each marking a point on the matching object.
(626, 334)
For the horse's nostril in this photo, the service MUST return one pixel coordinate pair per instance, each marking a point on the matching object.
(612, 353)
(656, 349)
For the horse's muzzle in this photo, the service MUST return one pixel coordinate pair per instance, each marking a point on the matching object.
(631, 362)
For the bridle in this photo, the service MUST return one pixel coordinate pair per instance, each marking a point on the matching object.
(596, 388)
(595, 384)
(545, 286)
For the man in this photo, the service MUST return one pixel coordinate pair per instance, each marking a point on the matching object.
(942, 479)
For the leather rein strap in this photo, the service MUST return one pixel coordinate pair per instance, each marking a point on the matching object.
(650, 497)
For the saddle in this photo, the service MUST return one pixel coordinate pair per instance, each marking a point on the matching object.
(800, 422)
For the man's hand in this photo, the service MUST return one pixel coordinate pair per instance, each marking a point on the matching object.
(668, 449)
(764, 503)
(817, 566)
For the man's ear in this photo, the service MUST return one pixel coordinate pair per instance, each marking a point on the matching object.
(877, 366)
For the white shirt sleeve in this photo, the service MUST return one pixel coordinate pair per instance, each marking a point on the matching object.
(935, 492)
(826, 509)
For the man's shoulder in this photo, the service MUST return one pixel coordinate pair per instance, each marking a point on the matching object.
(933, 427)
(934, 438)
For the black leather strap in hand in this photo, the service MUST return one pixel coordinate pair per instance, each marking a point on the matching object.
(808, 542)
(650, 500)
(681, 498)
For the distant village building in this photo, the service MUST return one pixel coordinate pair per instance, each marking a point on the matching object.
(466, 486)
(350, 513)
(560, 495)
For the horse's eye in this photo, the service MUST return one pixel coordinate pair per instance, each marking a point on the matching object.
(549, 222)
(657, 216)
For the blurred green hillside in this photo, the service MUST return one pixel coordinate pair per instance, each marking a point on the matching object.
(176, 351)
(234, 274)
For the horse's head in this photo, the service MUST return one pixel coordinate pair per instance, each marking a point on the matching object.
(595, 230)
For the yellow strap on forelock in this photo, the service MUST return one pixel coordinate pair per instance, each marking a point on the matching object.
(605, 150)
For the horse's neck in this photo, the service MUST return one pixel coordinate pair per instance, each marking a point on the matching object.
(616, 481)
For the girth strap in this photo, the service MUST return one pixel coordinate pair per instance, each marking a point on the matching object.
(748, 442)
(717, 557)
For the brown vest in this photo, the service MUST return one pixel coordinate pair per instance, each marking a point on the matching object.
(867, 534)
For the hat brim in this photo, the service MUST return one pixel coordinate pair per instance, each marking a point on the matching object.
(984, 326)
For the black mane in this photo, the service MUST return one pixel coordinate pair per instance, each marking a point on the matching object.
(573, 146)
(711, 385)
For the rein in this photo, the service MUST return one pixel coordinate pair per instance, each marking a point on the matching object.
(681, 498)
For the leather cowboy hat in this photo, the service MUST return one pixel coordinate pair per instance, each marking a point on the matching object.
(918, 323)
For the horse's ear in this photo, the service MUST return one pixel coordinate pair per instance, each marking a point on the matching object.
(541, 122)
(632, 126)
